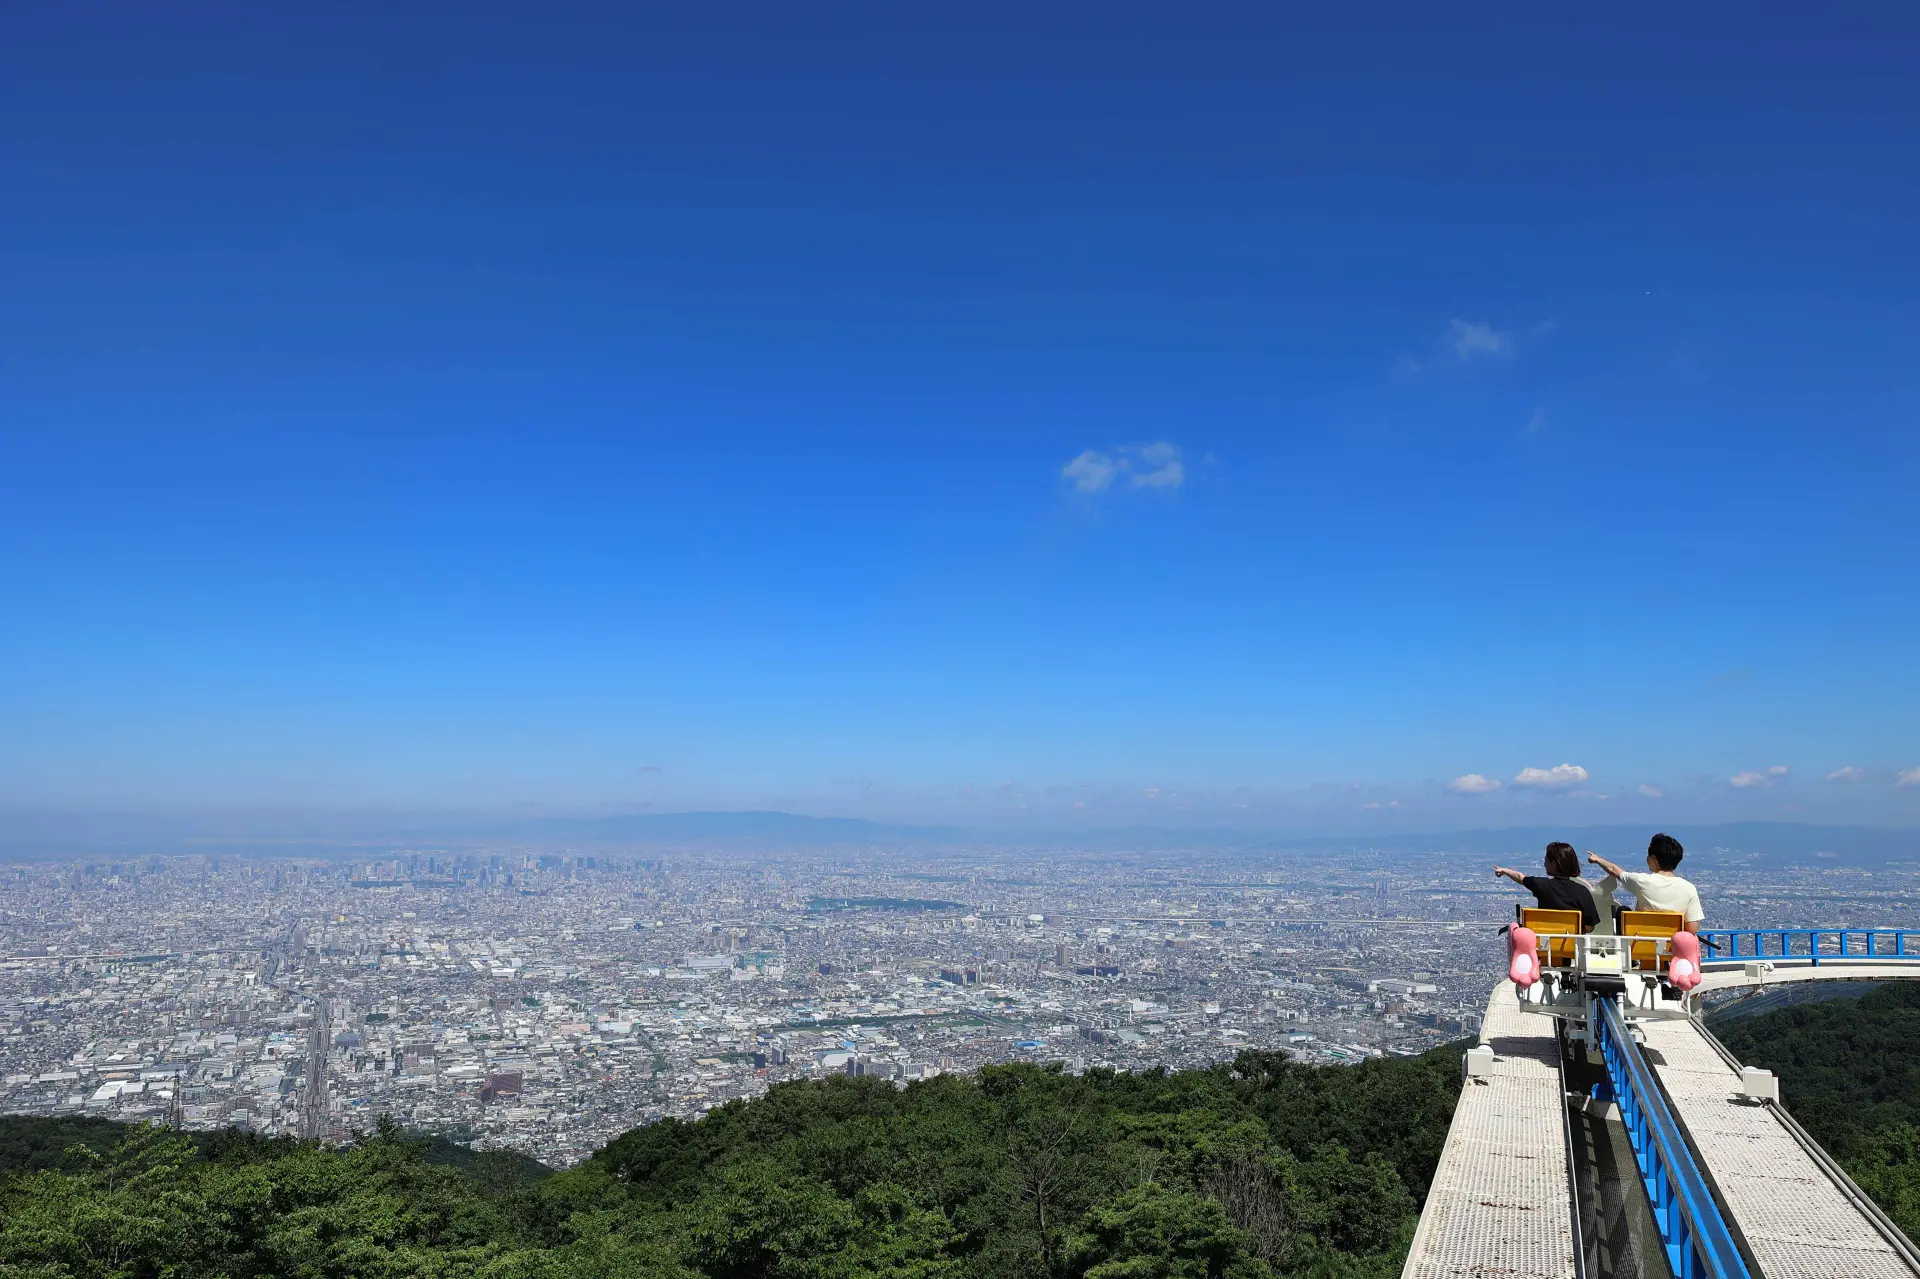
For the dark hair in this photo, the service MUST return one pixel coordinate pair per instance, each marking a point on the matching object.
(1562, 861)
(1665, 851)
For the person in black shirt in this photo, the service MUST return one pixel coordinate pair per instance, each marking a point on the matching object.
(1561, 887)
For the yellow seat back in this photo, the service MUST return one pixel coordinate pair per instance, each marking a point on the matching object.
(1650, 923)
(1558, 927)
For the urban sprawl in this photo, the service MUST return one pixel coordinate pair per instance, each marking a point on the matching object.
(548, 1000)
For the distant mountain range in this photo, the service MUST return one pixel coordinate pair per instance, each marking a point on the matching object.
(40, 834)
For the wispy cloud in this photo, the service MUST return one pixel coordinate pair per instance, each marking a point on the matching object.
(1847, 773)
(1750, 780)
(1559, 777)
(1159, 465)
(1463, 342)
(1910, 777)
(1467, 342)
(1653, 792)
(1471, 339)
(1090, 472)
(1473, 784)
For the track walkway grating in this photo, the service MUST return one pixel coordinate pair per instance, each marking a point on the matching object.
(1797, 1222)
(1499, 1206)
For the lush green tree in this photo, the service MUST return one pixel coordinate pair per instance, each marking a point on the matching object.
(29, 1143)
(118, 1214)
(1018, 1172)
(1346, 1205)
(1156, 1232)
(1886, 1164)
(762, 1221)
(1847, 1067)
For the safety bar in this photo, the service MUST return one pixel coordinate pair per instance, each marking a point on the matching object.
(1698, 1242)
(1729, 945)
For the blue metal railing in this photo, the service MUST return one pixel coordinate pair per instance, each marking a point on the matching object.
(1810, 945)
(1698, 1242)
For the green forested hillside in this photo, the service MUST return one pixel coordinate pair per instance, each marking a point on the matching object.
(1850, 1073)
(1262, 1167)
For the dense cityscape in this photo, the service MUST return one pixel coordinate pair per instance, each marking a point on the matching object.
(548, 1000)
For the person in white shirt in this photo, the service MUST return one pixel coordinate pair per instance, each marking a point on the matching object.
(1659, 888)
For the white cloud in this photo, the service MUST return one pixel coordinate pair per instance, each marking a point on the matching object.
(1559, 777)
(1091, 471)
(1909, 778)
(1748, 780)
(1473, 784)
(1847, 773)
(1475, 342)
(1468, 339)
(1778, 770)
(1159, 465)
(1653, 792)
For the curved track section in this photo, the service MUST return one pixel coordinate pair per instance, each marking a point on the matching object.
(1722, 976)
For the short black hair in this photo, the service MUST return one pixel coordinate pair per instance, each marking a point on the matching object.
(1562, 861)
(1665, 851)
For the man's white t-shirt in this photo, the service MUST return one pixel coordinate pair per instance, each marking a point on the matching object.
(1666, 892)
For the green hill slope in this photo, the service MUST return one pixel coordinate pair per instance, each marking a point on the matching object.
(1260, 1168)
(1850, 1073)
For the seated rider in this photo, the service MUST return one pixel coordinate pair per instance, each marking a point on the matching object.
(1659, 888)
(1561, 888)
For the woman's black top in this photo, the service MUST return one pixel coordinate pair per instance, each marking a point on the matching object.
(1555, 893)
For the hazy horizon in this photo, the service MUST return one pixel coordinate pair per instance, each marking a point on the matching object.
(34, 834)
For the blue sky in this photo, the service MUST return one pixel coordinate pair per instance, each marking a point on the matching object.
(1108, 415)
